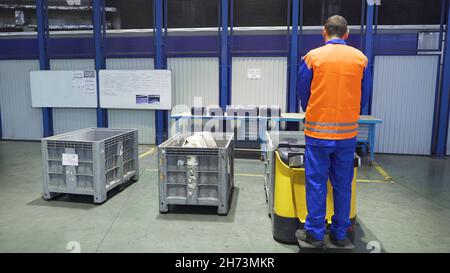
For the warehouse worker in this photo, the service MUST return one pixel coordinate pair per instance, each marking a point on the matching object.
(334, 85)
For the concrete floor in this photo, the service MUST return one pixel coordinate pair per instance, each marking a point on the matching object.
(410, 214)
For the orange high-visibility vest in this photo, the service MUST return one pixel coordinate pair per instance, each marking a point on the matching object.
(335, 100)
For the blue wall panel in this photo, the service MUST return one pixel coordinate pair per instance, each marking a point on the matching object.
(396, 44)
(194, 46)
(64, 48)
(129, 47)
(13, 49)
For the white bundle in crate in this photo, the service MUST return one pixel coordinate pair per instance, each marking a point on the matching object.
(200, 140)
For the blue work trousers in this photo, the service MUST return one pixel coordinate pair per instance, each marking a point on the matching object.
(333, 159)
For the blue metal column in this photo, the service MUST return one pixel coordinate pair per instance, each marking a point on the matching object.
(361, 30)
(44, 63)
(229, 48)
(444, 99)
(1, 128)
(369, 46)
(98, 7)
(292, 99)
(161, 115)
(224, 60)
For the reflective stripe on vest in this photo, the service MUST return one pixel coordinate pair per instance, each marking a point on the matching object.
(331, 124)
(331, 131)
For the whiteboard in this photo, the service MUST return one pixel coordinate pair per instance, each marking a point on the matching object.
(76, 88)
(135, 89)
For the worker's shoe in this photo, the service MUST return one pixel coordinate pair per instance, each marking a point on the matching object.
(338, 243)
(302, 235)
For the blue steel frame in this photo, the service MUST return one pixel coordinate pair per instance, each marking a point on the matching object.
(225, 57)
(377, 12)
(363, 16)
(436, 102)
(98, 9)
(1, 128)
(161, 116)
(44, 63)
(229, 26)
(369, 47)
(444, 98)
(231, 23)
(292, 100)
(166, 25)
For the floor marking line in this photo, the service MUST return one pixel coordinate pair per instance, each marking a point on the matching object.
(373, 181)
(382, 171)
(149, 152)
(249, 174)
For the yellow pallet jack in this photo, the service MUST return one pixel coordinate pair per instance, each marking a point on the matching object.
(287, 194)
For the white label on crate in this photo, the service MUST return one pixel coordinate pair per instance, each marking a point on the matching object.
(70, 159)
(254, 73)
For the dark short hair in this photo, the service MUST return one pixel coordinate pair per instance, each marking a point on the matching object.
(336, 25)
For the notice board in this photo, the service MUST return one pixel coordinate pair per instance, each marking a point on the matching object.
(76, 88)
(135, 89)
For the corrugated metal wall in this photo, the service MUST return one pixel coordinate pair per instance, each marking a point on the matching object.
(403, 96)
(70, 119)
(270, 89)
(19, 119)
(143, 120)
(193, 77)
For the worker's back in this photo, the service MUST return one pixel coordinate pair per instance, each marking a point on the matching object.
(334, 83)
(334, 106)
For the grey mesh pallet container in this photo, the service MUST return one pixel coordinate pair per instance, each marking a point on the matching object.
(106, 158)
(196, 176)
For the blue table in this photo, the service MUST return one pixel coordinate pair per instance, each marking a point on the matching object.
(363, 140)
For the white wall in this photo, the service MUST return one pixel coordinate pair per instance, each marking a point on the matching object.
(71, 119)
(19, 119)
(403, 97)
(143, 120)
(270, 89)
(194, 77)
